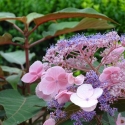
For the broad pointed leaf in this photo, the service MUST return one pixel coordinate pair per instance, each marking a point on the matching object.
(4, 15)
(70, 13)
(17, 107)
(14, 80)
(30, 17)
(17, 57)
(10, 70)
(5, 39)
(66, 27)
(10, 17)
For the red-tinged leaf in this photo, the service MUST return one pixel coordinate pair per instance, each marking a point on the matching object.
(56, 29)
(70, 13)
(10, 17)
(4, 15)
(5, 39)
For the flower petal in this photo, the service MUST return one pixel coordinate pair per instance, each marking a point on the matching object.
(50, 121)
(46, 86)
(55, 71)
(29, 78)
(71, 78)
(63, 96)
(97, 93)
(85, 91)
(62, 80)
(41, 95)
(81, 102)
(36, 67)
(90, 108)
(79, 80)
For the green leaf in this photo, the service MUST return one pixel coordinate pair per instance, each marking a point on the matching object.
(17, 107)
(111, 119)
(120, 104)
(68, 122)
(72, 12)
(2, 114)
(17, 57)
(7, 15)
(10, 17)
(10, 70)
(20, 39)
(14, 80)
(30, 17)
(66, 27)
(5, 39)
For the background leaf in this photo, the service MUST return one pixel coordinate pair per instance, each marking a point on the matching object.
(66, 27)
(72, 12)
(17, 107)
(120, 104)
(19, 39)
(7, 15)
(14, 80)
(30, 17)
(5, 39)
(10, 70)
(17, 57)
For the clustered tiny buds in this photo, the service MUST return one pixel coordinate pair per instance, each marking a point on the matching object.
(100, 60)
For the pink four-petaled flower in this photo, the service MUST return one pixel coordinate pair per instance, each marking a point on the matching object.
(53, 81)
(86, 97)
(36, 70)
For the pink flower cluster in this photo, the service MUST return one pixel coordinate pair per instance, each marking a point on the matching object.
(81, 53)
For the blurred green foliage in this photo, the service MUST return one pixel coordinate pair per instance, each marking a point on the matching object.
(112, 8)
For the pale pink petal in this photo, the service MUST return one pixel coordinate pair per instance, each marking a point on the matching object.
(46, 86)
(55, 71)
(79, 80)
(82, 102)
(119, 50)
(85, 91)
(50, 121)
(41, 95)
(52, 88)
(62, 80)
(36, 67)
(97, 93)
(104, 77)
(111, 69)
(71, 78)
(90, 108)
(29, 78)
(63, 96)
(49, 78)
(43, 85)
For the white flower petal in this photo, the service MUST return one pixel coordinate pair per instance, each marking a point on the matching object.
(82, 102)
(90, 108)
(97, 93)
(85, 91)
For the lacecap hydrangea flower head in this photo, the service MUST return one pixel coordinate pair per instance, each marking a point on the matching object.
(98, 60)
